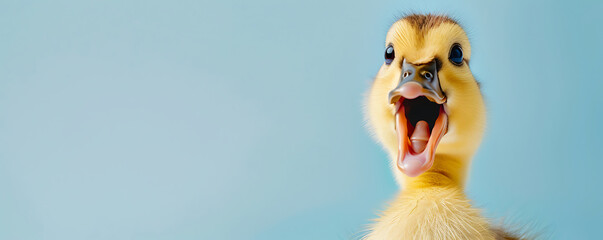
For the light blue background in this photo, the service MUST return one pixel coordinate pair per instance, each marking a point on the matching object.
(242, 119)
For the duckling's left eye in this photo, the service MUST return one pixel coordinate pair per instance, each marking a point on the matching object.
(389, 55)
(456, 55)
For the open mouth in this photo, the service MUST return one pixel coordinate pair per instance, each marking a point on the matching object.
(420, 125)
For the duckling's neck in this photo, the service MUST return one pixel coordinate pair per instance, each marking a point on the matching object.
(447, 171)
(433, 206)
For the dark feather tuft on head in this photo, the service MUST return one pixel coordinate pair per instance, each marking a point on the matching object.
(424, 22)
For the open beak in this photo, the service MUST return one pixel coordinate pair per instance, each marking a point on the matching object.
(421, 120)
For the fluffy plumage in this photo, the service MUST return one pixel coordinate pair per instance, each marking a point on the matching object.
(432, 205)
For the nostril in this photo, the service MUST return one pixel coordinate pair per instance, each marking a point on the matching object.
(405, 74)
(428, 75)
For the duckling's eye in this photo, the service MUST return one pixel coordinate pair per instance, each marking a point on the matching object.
(456, 54)
(389, 55)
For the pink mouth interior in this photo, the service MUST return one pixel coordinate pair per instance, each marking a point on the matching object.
(417, 144)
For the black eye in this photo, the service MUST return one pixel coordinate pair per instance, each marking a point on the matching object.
(389, 55)
(456, 54)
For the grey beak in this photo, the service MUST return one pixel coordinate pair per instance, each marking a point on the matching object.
(425, 75)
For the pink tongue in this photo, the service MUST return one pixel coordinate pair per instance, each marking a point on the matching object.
(420, 137)
(413, 163)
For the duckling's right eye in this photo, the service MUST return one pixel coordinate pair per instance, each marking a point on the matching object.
(389, 55)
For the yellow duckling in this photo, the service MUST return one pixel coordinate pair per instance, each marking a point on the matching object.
(426, 109)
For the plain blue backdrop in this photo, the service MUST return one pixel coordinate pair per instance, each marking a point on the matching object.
(243, 119)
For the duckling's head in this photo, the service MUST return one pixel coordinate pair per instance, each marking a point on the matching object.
(425, 106)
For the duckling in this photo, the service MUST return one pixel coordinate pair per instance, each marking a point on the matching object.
(426, 109)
